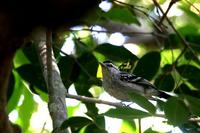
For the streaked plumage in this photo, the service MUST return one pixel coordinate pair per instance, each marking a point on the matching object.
(119, 84)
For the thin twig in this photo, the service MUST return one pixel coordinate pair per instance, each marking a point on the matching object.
(180, 55)
(43, 127)
(177, 33)
(193, 6)
(140, 125)
(135, 8)
(172, 2)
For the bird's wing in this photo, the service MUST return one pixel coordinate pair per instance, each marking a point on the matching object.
(131, 78)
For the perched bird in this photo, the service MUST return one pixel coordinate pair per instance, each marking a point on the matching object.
(120, 84)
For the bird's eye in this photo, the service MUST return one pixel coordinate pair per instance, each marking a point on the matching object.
(109, 65)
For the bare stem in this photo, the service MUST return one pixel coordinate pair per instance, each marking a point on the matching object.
(55, 87)
(94, 100)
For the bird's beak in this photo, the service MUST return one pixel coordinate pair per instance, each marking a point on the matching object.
(102, 64)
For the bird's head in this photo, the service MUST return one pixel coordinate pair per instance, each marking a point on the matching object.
(108, 68)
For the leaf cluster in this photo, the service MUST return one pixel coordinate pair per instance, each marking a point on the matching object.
(170, 70)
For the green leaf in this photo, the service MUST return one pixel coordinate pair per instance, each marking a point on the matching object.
(195, 39)
(33, 75)
(143, 102)
(194, 104)
(148, 65)
(190, 56)
(88, 68)
(115, 53)
(165, 82)
(149, 130)
(121, 14)
(27, 108)
(128, 126)
(126, 113)
(75, 122)
(172, 39)
(80, 47)
(184, 89)
(11, 86)
(190, 73)
(188, 30)
(20, 59)
(87, 77)
(176, 111)
(92, 128)
(99, 120)
(191, 15)
(14, 99)
(31, 53)
(69, 70)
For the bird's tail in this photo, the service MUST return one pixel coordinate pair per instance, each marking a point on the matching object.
(164, 95)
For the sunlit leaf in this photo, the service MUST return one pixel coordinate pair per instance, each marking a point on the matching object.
(27, 108)
(128, 126)
(126, 113)
(20, 59)
(190, 14)
(148, 65)
(17, 92)
(176, 111)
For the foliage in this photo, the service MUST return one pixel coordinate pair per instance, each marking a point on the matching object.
(177, 74)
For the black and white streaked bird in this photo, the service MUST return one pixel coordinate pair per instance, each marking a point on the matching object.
(120, 84)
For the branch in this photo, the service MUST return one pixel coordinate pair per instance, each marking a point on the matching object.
(56, 104)
(182, 39)
(114, 104)
(129, 31)
(137, 8)
(196, 8)
(94, 100)
(172, 2)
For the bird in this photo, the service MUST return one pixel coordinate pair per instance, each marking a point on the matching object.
(120, 84)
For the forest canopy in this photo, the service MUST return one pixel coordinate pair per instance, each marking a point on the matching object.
(158, 40)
